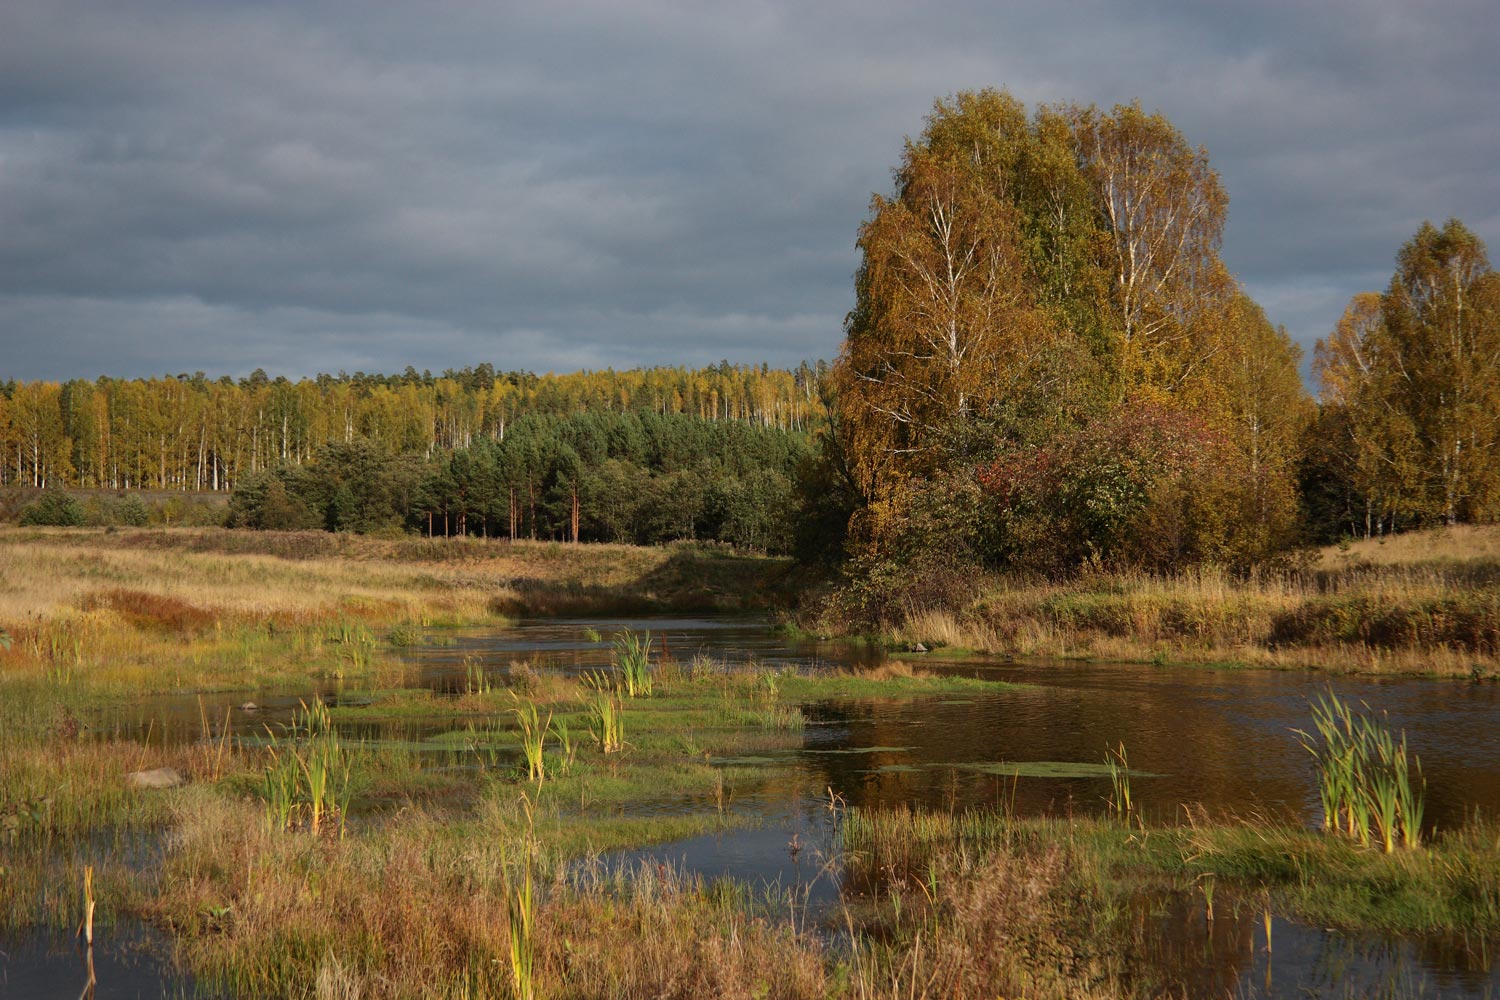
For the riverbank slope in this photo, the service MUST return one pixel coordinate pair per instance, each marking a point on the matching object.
(1420, 603)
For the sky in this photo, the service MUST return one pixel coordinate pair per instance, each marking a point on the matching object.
(361, 186)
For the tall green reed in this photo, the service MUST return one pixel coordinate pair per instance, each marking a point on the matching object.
(566, 745)
(520, 911)
(606, 725)
(476, 681)
(1119, 802)
(1370, 786)
(533, 739)
(307, 778)
(632, 658)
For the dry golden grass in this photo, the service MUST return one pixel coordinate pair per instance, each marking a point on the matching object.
(51, 571)
(1463, 543)
(1427, 602)
(260, 574)
(412, 910)
(161, 609)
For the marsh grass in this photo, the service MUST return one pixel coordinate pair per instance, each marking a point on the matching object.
(485, 888)
(427, 894)
(307, 775)
(112, 612)
(533, 738)
(1119, 801)
(567, 748)
(520, 909)
(1451, 886)
(1424, 602)
(606, 721)
(476, 680)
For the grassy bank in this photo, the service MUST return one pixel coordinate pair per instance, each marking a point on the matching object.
(1427, 603)
(1098, 907)
(191, 609)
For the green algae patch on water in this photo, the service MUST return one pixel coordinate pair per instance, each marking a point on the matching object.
(822, 687)
(1046, 769)
(747, 761)
(856, 750)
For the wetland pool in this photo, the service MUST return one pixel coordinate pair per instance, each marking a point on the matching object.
(1220, 739)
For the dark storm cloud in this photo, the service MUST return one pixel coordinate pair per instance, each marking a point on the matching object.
(303, 187)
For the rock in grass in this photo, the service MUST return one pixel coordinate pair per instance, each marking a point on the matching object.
(160, 777)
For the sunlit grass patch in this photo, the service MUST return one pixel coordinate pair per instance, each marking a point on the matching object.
(1423, 602)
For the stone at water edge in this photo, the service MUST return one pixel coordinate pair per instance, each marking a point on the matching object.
(161, 777)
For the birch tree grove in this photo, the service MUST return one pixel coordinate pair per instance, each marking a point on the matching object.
(1166, 213)
(193, 433)
(944, 324)
(1414, 378)
(1036, 288)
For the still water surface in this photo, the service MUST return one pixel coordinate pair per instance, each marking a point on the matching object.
(1223, 739)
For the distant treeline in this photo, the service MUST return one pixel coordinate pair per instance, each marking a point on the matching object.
(190, 432)
(593, 476)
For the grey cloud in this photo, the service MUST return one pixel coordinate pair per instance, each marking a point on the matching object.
(366, 185)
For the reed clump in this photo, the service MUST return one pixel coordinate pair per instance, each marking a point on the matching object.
(632, 663)
(1369, 786)
(307, 779)
(606, 721)
(533, 730)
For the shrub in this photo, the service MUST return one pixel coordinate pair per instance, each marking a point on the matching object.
(132, 512)
(265, 502)
(54, 508)
(1145, 486)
